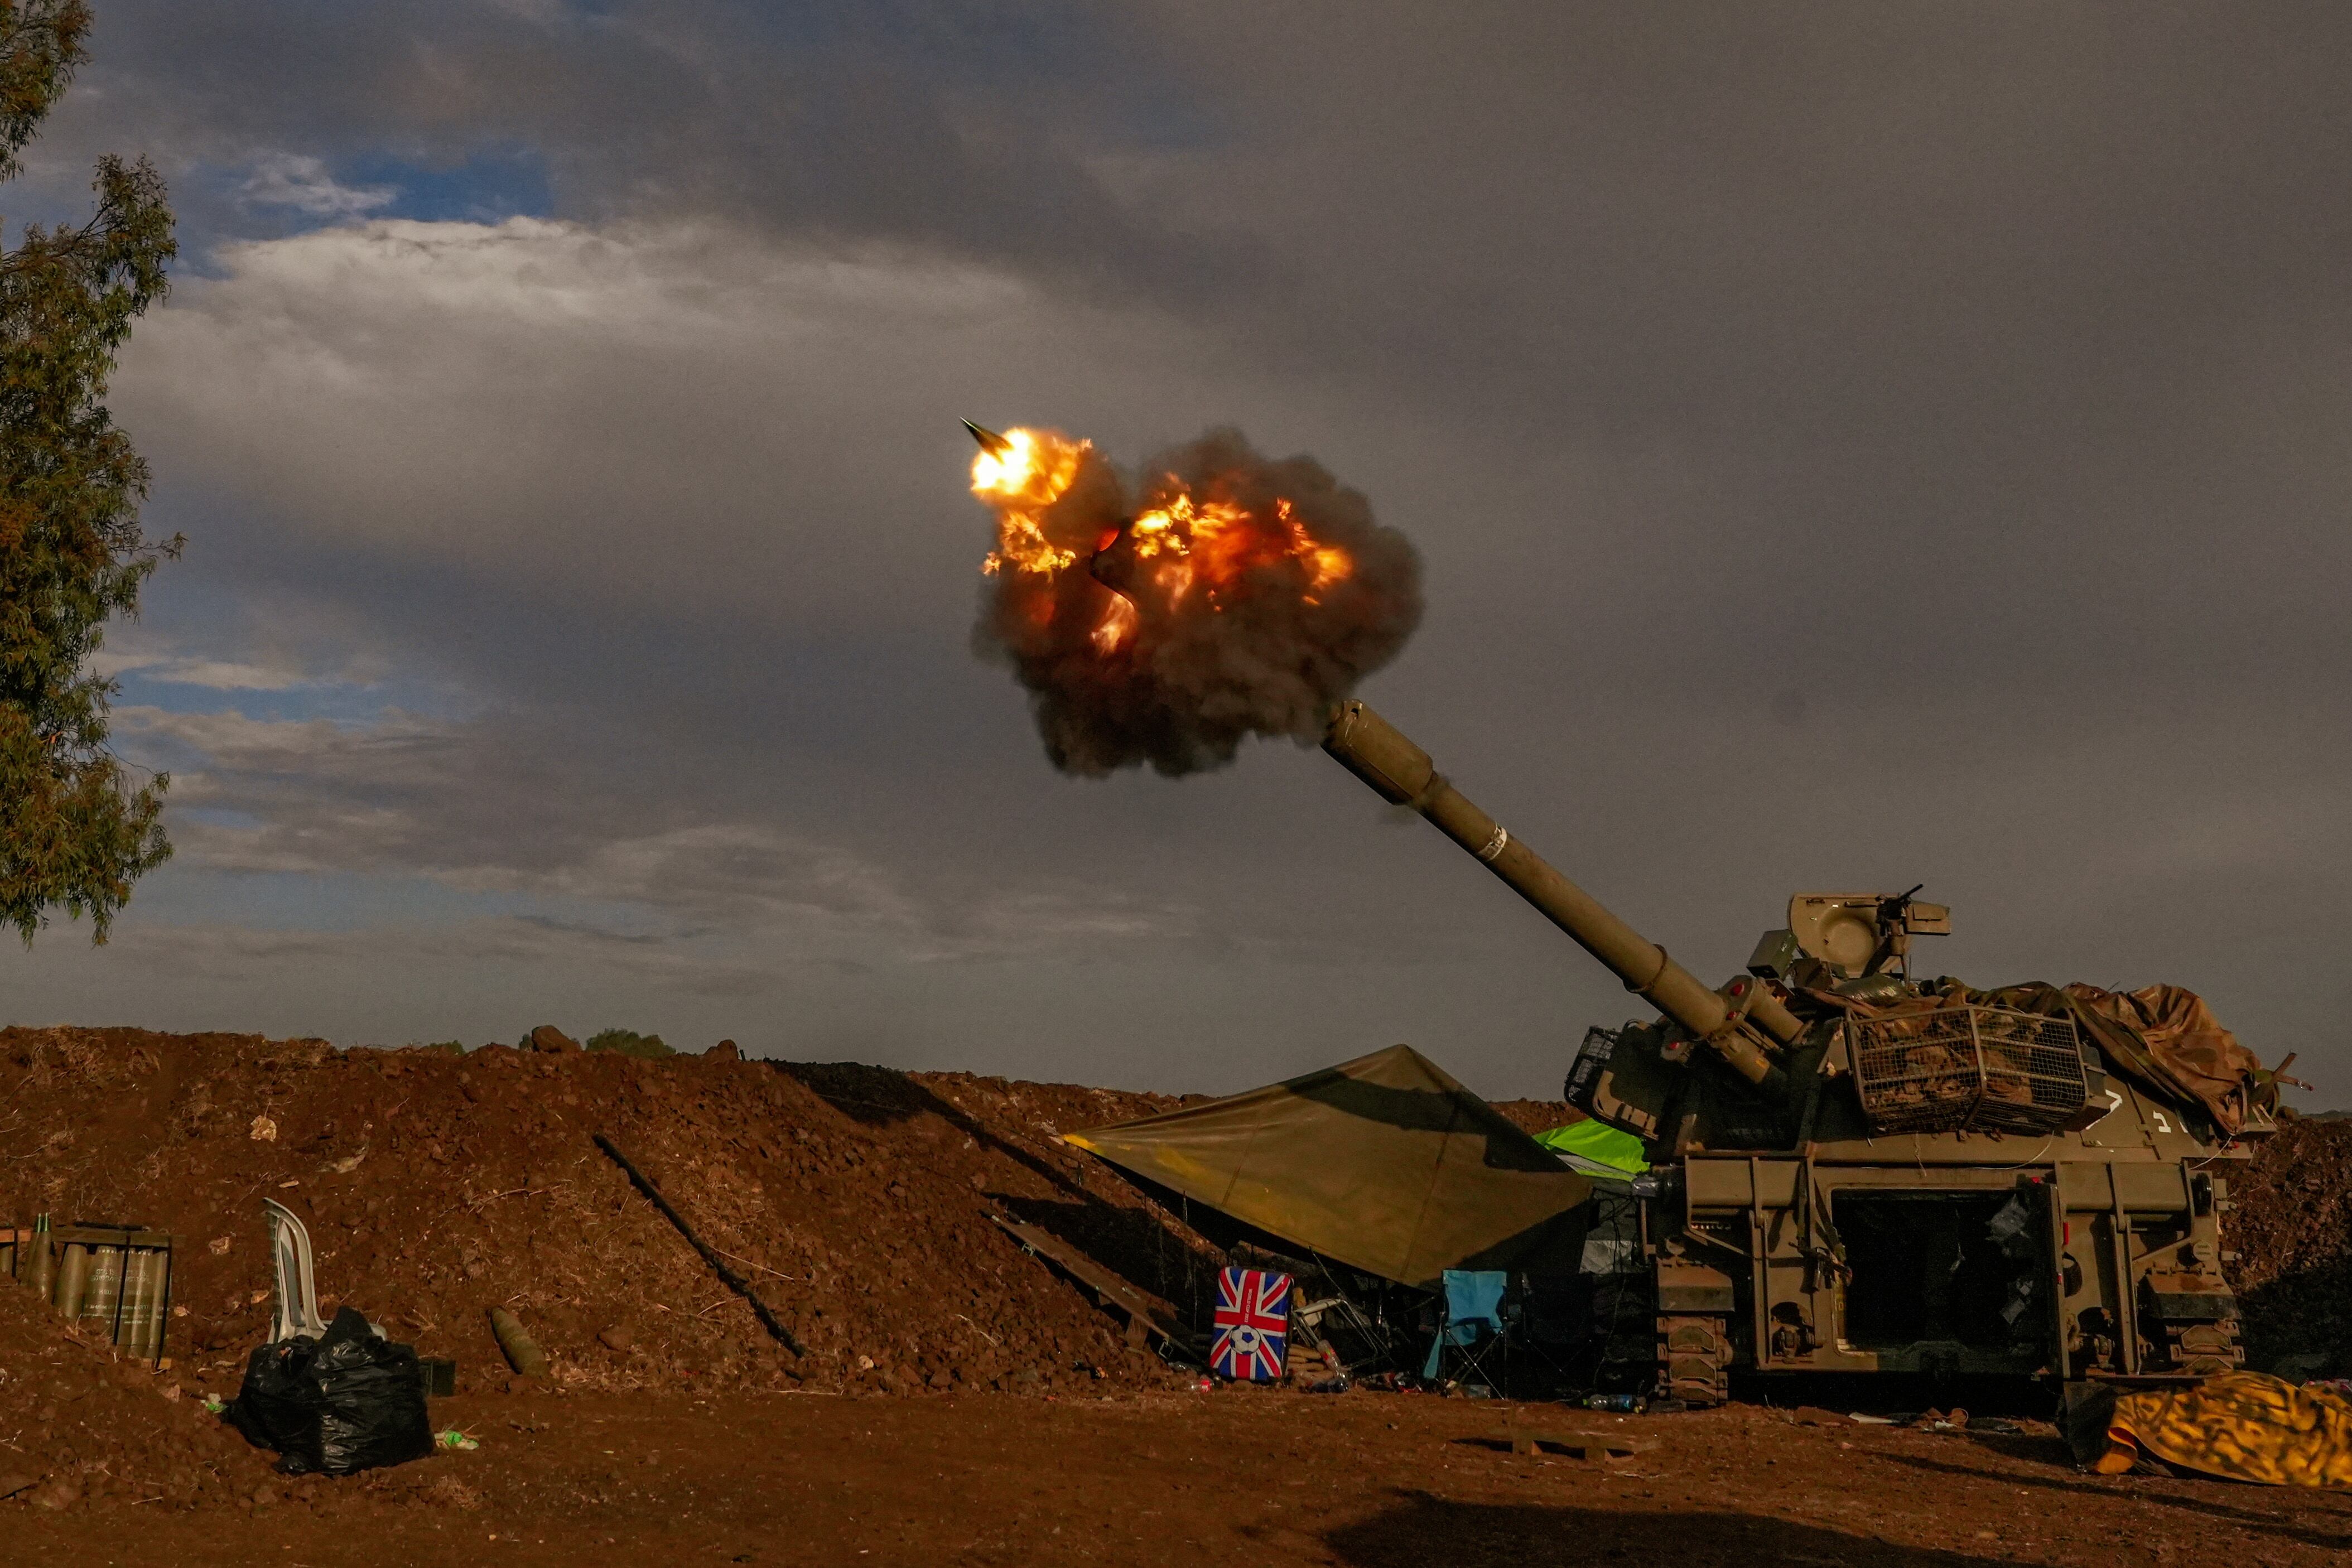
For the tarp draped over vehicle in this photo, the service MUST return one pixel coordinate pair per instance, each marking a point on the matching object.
(1384, 1163)
(2169, 1039)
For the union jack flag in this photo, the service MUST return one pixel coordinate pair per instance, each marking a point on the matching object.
(1253, 1322)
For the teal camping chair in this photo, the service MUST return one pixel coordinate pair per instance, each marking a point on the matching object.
(1472, 1329)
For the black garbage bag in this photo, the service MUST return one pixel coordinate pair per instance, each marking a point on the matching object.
(346, 1401)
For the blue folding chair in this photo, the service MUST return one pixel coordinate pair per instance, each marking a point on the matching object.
(1472, 1329)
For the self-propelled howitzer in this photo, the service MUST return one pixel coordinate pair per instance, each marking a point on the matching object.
(1857, 1172)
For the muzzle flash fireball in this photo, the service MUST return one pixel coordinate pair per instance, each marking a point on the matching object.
(1163, 618)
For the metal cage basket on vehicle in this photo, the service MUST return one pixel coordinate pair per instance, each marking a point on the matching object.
(1969, 1070)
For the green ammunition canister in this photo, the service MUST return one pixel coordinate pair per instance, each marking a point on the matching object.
(101, 1292)
(143, 1284)
(40, 1269)
(73, 1278)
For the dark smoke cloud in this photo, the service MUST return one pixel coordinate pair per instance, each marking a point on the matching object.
(1264, 595)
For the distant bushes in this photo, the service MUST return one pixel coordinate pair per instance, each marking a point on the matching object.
(629, 1042)
(622, 1042)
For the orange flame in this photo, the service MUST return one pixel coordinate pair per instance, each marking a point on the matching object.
(1186, 553)
(1019, 480)
(1117, 626)
(1220, 543)
(1167, 616)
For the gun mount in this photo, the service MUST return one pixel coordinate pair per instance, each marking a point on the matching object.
(1856, 1171)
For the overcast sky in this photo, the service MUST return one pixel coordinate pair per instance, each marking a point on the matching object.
(1850, 447)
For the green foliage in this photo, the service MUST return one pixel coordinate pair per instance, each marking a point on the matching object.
(629, 1042)
(447, 1047)
(74, 832)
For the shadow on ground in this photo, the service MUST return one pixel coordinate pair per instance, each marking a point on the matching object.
(1418, 1529)
(2312, 1518)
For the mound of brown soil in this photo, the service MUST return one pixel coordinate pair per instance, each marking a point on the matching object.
(2292, 1230)
(857, 1200)
(79, 1425)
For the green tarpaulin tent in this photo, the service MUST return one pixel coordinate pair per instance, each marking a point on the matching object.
(1384, 1163)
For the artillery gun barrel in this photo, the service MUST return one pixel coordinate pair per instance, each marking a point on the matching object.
(1376, 752)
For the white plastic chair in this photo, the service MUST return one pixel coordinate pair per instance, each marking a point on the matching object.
(296, 1307)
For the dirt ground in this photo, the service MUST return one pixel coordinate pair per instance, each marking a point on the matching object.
(958, 1402)
(1227, 1477)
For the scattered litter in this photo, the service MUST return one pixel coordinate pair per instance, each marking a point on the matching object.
(455, 1440)
(1870, 1420)
(264, 1130)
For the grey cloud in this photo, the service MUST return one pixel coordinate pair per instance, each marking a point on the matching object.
(620, 412)
(477, 808)
(302, 182)
(1964, 386)
(970, 130)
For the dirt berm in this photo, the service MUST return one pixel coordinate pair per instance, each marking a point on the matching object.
(2292, 1230)
(857, 1200)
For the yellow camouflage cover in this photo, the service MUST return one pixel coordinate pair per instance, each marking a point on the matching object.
(2244, 1425)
